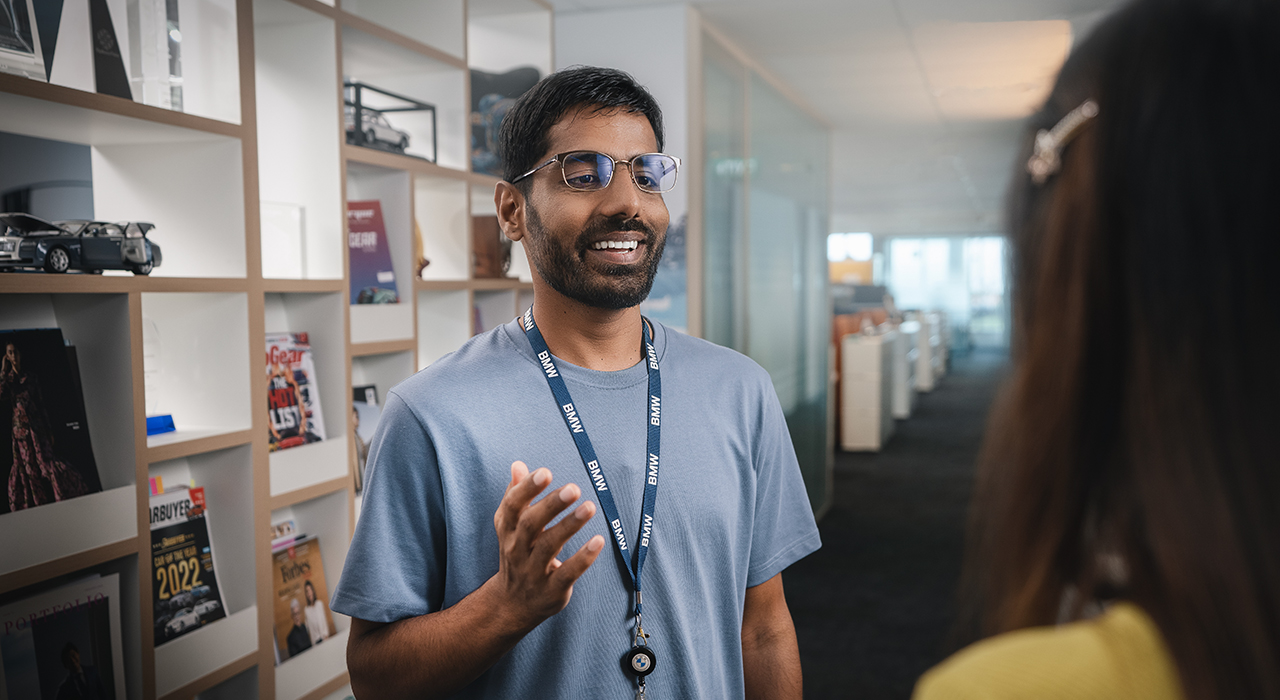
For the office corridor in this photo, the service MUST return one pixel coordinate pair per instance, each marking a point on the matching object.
(873, 607)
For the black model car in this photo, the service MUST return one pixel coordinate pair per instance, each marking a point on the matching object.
(92, 246)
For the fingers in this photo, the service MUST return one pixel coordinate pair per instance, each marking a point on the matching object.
(553, 538)
(535, 518)
(569, 571)
(520, 491)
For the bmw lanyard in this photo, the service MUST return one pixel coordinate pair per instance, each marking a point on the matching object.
(640, 660)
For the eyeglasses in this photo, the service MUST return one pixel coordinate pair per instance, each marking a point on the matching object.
(589, 171)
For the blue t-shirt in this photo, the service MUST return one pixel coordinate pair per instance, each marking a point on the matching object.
(731, 509)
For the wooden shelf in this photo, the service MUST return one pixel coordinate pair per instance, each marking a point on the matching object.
(44, 571)
(323, 488)
(303, 286)
(194, 445)
(95, 102)
(383, 348)
(33, 282)
(479, 285)
(397, 161)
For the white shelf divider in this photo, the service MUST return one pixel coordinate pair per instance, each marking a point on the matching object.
(201, 652)
(59, 529)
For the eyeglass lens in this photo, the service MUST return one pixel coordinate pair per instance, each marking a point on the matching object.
(587, 170)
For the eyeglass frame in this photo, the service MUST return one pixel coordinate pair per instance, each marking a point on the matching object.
(558, 158)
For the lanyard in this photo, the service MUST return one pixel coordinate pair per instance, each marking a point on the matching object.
(635, 562)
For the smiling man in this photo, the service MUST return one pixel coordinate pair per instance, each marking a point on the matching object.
(463, 578)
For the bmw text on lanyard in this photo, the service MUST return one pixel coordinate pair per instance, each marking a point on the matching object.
(640, 660)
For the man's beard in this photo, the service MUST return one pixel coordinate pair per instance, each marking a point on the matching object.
(564, 265)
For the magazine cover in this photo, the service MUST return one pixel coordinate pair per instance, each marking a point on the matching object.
(373, 279)
(293, 400)
(64, 643)
(185, 585)
(492, 96)
(365, 413)
(302, 618)
(47, 456)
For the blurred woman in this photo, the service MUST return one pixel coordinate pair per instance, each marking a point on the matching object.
(1125, 537)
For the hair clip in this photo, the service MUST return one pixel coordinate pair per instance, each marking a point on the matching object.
(1047, 157)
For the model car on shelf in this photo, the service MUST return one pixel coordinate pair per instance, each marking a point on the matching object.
(28, 241)
(375, 130)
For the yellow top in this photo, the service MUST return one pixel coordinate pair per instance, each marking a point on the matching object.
(1118, 655)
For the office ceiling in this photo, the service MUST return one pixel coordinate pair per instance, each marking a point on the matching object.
(926, 98)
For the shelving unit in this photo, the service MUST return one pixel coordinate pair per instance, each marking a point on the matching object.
(248, 191)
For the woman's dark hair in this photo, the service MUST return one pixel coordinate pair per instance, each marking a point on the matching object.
(1133, 453)
(523, 137)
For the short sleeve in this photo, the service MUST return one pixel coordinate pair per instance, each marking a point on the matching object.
(395, 566)
(784, 530)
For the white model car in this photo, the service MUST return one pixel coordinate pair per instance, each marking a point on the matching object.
(377, 131)
(206, 607)
(182, 620)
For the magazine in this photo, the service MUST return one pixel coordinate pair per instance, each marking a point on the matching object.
(293, 399)
(63, 641)
(365, 413)
(302, 617)
(48, 456)
(185, 585)
(373, 279)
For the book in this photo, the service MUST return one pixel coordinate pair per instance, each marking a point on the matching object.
(373, 278)
(184, 589)
(285, 533)
(64, 640)
(365, 413)
(302, 617)
(293, 399)
(48, 456)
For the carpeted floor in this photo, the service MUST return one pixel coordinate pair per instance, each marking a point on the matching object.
(873, 607)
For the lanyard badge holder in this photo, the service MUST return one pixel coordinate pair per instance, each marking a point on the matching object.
(640, 660)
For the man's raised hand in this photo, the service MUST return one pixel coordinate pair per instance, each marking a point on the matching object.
(530, 576)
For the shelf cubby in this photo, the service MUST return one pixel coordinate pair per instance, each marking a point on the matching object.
(371, 59)
(188, 182)
(384, 371)
(126, 567)
(98, 325)
(440, 208)
(328, 518)
(200, 378)
(227, 478)
(444, 323)
(436, 23)
(506, 34)
(299, 141)
(306, 465)
(210, 81)
(393, 188)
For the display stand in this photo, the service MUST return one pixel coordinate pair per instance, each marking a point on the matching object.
(247, 186)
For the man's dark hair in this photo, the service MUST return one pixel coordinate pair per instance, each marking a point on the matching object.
(66, 653)
(523, 138)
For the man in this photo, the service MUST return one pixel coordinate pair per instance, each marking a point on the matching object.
(456, 576)
(298, 640)
(82, 681)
